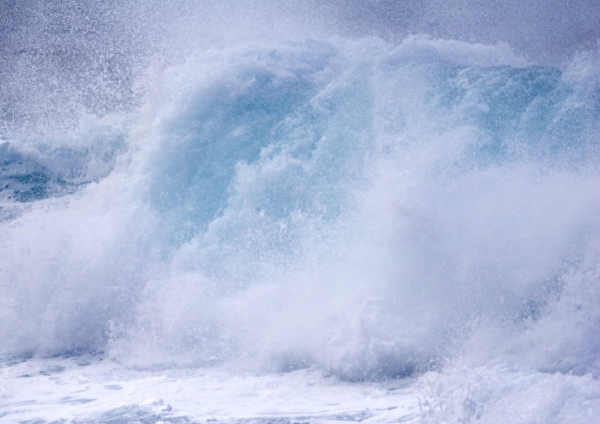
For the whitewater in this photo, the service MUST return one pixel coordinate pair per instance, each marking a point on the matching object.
(313, 229)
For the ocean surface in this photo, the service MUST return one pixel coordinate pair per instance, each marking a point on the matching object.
(319, 230)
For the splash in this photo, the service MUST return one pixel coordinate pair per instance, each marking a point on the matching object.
(367, 209)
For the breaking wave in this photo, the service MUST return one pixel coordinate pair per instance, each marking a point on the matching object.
(371, 209)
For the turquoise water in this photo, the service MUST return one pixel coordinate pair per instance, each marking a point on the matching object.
(367, 210)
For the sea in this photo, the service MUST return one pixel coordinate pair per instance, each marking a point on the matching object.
(307, 229)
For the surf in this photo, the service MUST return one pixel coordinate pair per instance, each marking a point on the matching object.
(356, 210)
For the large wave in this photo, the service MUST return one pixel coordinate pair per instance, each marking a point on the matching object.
(371, 209)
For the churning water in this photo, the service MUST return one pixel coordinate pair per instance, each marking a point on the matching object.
(343, 229)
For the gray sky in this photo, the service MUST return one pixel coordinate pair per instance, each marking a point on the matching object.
(548, 31)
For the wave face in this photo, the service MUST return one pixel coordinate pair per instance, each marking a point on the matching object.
(369, 209)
